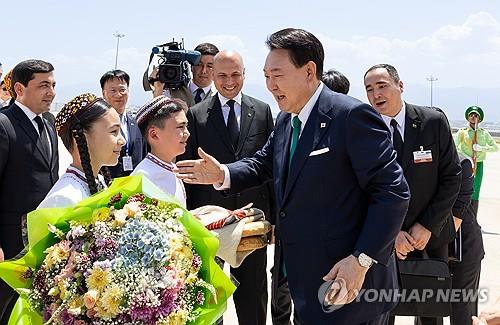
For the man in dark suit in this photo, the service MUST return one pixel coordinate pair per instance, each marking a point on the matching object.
(115, 89)
(426, 151)
(200, 86)
(231, 125)
(466, 273)
(340, 195)
(29, 160)
(281, 301)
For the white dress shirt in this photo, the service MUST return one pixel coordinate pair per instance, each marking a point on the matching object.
(124, 126)
(306, 110)
(31, 116)
(303, 117)
(225, 107)
(193, 88)
(400, 119)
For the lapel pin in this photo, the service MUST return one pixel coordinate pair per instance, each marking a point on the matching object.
(322, 125)
(414, 125)
(249, 114)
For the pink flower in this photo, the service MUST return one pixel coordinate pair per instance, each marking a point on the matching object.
(90, 298)
(65, 246)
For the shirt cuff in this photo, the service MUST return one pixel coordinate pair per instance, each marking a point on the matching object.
(227, 180)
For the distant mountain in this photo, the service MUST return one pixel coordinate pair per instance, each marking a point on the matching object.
(453, 101)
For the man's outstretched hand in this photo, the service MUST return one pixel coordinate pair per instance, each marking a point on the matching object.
(206, 170)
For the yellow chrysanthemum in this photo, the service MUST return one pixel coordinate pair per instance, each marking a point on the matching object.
(55, 255)
(177, 318)
(101, 214)
(191, 278)
(60, 254)
(98, 279)
(187, 252)
(75, 305)
(102, 313)
(111, 299)
(63, 289)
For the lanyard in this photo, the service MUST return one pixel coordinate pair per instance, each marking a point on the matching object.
(123, 131)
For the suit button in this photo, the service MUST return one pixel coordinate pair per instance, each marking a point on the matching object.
(282, 214)
(238, 194)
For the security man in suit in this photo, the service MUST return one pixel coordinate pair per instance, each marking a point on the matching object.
(200, 86)
(29, 160)
(231, 125)
(115, 90)
(427, 154)
(466, 273)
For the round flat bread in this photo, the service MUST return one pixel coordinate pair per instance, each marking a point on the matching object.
(256, 228)
(251, 243)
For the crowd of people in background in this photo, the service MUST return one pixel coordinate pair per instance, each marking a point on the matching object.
(350, 188)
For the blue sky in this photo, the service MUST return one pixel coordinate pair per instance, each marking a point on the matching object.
(457, 41)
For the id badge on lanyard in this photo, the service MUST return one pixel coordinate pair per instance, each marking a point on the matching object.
(127, 160)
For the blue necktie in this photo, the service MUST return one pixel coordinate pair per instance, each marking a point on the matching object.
(197, 97)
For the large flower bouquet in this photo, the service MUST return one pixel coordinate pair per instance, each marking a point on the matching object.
(128, 255)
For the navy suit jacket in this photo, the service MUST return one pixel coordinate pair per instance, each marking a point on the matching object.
(351, 197)
(137, 149)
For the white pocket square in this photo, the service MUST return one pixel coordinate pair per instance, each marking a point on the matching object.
(319, 151)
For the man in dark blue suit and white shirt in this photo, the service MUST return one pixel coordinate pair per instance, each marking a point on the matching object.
(341, 197)
(115, 90)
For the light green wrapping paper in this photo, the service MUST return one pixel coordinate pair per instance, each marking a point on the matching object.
(39, 238)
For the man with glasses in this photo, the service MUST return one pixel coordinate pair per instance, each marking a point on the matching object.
(115, 88)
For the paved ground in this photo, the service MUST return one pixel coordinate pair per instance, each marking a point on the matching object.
(489, 218)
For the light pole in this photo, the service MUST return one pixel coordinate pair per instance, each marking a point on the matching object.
(118, 36)
(432, 79)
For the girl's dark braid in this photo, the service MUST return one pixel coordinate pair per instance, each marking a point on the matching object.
(107, 175)
(83, 150)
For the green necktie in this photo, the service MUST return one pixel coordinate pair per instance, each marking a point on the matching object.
(295, 137)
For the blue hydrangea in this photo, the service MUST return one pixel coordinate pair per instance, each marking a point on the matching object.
(143, 242)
